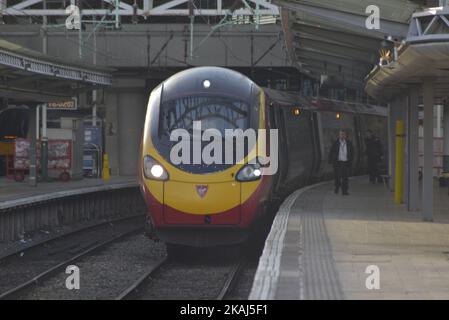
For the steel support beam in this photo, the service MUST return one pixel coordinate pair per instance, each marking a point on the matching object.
(412, 187)
(446, 137)
(427, 194)
(395, 111)
(168, 8)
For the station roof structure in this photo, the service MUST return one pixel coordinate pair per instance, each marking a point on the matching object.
(30, 76)
(424, 54)
(330, 38)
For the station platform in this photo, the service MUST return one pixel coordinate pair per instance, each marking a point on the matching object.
(321, 244)
(14, 193)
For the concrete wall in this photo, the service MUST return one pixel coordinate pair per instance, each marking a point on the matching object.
(18, 220)
(125, 115)
(131, 121)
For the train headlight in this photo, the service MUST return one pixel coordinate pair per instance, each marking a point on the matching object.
(249, 172)
(153, 169)
(206, 84)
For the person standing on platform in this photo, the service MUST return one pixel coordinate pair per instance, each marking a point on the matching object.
(341, 156)
(373, 154)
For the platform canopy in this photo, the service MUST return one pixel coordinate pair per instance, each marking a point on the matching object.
(329, 38)
(30, 76)
(424, 54)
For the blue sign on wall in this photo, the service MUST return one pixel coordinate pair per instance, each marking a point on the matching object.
(93, 135)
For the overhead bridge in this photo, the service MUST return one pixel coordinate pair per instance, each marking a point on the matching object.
(161, 45)
(176, 33)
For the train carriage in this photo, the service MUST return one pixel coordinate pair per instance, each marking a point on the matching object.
(197, 202)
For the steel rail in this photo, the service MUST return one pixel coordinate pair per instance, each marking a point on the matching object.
(128, 292)
(67, 234)
(56, 268)
(231, 279)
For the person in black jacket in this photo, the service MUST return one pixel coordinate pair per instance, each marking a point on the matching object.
(341, 156)
(373, 154)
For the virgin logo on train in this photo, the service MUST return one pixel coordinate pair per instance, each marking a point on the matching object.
(201, 190)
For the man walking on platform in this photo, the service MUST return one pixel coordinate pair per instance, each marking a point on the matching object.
(341, 156)
(373, 154)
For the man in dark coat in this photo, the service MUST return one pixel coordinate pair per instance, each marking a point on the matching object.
(341, 156)
(373, 154)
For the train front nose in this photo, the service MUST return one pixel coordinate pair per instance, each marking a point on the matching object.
(202, 203)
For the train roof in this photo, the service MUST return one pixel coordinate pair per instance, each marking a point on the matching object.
(221, 81)
(322, 104)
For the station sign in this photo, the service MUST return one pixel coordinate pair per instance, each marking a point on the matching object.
(63, 105)
(93, 135)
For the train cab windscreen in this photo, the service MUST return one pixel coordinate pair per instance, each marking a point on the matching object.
(203, 113)
(213, 112)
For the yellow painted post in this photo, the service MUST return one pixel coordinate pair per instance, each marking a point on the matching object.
(399, 166)
(105, 173)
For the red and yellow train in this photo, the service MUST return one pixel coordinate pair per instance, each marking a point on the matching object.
(198, 204)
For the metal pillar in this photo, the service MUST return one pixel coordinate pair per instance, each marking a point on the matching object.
(44, 30)
(33, 158)
(405, 176)
(38, 122)
(446, 137)
(399, 165)
(427, 194)
(44, 144)
(412, 187)
(394, 114)
(391, 143)
(94, 92)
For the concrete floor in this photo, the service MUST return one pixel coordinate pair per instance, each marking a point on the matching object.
(322, 243)
(367, 228)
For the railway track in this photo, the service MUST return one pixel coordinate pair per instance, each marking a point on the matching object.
(134, 288)
(44, 242)
(56, 259)
(142, 286)
(35, 272)
(232, 280)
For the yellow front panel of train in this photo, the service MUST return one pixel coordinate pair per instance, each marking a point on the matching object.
(202, 198)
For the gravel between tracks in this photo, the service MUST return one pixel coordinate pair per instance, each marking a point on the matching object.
(106, 274)
(22, 267)
(179, 280)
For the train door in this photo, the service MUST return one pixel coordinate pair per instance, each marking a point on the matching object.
(317, 146)
(283, 152)
(273, 124)
(299, 142)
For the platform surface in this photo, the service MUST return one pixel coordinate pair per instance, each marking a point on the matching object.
(14, 192)
(321, 244)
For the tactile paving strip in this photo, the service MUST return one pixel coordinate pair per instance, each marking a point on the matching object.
(318, 270)
(282, 272)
